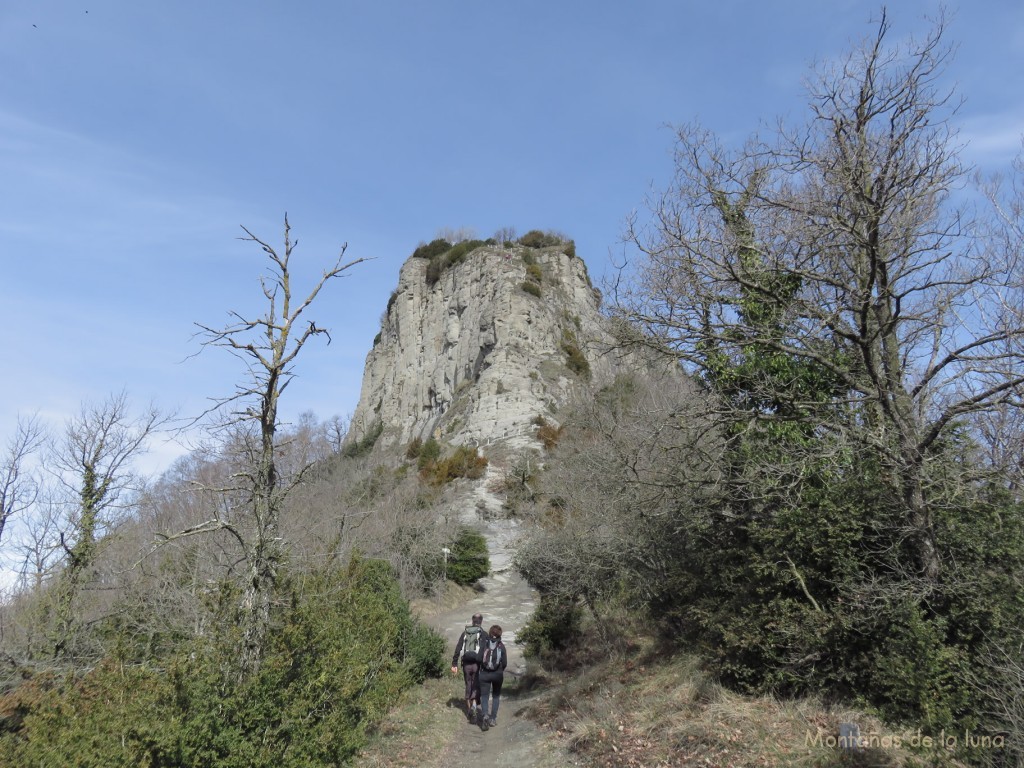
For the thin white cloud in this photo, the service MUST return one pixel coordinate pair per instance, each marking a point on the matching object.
(62, 188)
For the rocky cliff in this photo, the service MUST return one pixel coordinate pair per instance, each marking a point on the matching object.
(473, 352)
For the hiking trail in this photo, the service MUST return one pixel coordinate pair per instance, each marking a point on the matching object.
(503, 598)
(507, 600)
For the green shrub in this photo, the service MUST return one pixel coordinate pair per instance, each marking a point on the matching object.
(552, 629)
(103, 718)
(429, 452)
(464, 462)
(424, 653)
(341, 650)
(440, 260)
(534, 273)
(531, 288)
(434, 269)
(574, 357)
(432, 250)
(459, 252)
(365, 444)
(537, 239)
(570, 249)
(412, 451)
(468, 560)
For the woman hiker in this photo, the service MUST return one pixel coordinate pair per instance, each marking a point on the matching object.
(493, 660)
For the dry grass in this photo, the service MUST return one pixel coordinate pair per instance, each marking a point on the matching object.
(635, 706)
(453, 596)
(417, 732)
(668, 713)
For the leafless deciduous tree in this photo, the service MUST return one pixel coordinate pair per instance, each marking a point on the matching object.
(38, 548)
(455, 234)
(269, 346)
(635, 466)
(840, 245)
(92, 464)
(505, 235)
(18, 483)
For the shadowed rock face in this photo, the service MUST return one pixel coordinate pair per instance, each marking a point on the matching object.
(474, 358)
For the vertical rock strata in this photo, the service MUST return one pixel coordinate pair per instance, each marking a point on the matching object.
(476, 357)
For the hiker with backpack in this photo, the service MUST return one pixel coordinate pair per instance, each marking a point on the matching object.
(492, 674)
(469, 647)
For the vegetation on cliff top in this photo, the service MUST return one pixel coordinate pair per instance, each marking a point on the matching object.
(442, 253)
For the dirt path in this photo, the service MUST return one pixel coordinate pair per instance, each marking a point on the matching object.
(507, 600)
(431, 729)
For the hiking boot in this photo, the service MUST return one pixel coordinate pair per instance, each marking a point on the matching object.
(484, 724)
(492, 721)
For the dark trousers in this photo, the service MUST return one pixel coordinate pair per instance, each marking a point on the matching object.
(490, 684)
(471, 674)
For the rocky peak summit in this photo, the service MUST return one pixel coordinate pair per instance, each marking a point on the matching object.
(477, 342)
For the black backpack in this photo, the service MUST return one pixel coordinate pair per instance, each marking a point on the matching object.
(493, 652)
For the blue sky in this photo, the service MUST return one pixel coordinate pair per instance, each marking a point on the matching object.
(135, 138)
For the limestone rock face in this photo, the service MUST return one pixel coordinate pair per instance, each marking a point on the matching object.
(476, 356)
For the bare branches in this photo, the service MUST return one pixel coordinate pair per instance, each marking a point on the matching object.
(93, 459)
(18, 484)
(269, 345)
(836, 251)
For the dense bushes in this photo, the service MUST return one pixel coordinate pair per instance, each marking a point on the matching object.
(442, 254)
(535, 238)
(552, 630)
(363, 445)
(798, 588)
(813, 596)
(450, 258)
(574, 357)
(468, 560)
(464, 462)
(432, 249)
(426, 453)
(531, 288)
(340, 654)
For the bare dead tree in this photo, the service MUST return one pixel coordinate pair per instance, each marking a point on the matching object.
(839, 245)
(19, 486)
(269, 346)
